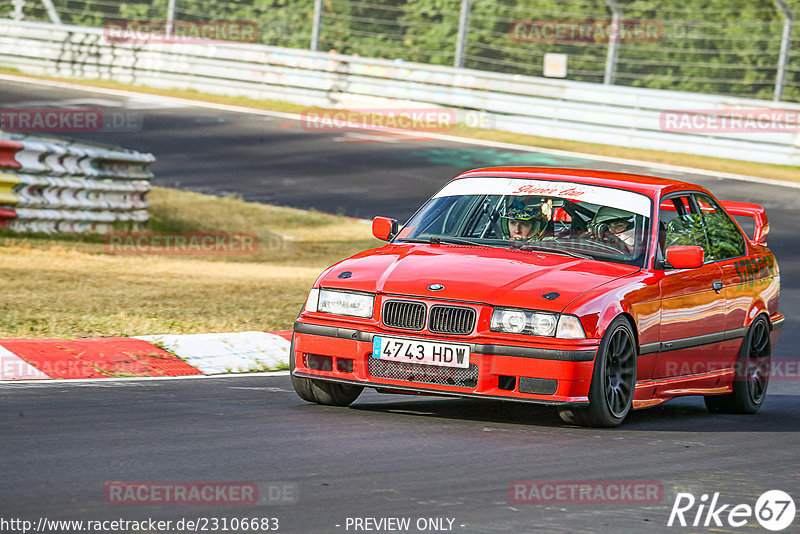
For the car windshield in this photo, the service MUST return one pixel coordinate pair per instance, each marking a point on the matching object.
(573, 219)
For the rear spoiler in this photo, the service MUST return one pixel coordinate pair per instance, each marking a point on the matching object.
(755, 211)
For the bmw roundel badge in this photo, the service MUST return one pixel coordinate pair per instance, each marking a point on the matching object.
(435, 287)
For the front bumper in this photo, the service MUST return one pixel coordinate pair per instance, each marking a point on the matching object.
(555, 374)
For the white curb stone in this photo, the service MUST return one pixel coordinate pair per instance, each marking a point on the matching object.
(226, 353)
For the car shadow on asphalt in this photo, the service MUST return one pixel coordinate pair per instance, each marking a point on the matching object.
(779, 414)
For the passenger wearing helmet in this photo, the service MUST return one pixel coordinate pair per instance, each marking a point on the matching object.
(525, 222)
(614, 225)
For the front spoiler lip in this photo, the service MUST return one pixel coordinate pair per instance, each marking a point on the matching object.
(436, 392)
(489, 350)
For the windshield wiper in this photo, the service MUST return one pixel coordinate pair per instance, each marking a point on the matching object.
(542, 248)
(433, 240)
(455, 241)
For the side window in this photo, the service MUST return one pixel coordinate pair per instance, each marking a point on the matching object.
(724, 237)
(679, 224)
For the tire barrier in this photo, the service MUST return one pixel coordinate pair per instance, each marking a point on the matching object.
(51, 185)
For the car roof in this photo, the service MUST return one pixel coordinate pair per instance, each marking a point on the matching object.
(640, 183)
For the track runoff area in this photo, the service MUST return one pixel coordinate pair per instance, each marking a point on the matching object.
(387, 464)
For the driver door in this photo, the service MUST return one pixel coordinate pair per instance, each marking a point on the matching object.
(692, 301)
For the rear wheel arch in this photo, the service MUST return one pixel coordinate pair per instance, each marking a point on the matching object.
(752, 369)
(758, 307)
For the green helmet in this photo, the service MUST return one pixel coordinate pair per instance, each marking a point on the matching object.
(520, 211)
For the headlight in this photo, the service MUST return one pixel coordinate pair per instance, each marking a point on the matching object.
(344, 303)
(536, 323)
(515, 321)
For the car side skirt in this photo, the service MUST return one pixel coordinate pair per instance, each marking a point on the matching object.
(695, 341)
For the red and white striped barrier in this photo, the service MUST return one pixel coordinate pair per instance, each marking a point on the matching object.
(168, 355)
(47, 185)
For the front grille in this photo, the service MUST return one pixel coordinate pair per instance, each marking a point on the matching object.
(451, 320)
(425, 374)
(407, 315)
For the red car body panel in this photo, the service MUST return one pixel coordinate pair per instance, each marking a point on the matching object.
(688, 327)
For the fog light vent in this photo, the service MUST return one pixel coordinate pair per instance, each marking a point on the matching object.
(319, 363)
(537, 386)
(506, 382)
(344, 365)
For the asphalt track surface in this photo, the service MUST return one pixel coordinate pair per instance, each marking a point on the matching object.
(386, 456)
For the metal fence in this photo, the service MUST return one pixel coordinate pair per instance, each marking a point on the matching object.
(743, 48)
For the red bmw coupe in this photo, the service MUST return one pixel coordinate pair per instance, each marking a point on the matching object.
(596, 292)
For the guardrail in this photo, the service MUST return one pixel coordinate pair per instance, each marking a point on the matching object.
(596, 113)
(50, 185)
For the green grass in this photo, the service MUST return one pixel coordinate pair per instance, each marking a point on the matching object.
(69, 286)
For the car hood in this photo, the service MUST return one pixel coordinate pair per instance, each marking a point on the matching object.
(495, 276)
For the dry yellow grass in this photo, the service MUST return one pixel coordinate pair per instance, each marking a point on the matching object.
(68, 288)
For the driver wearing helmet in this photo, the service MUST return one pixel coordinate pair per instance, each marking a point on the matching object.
(614, 224)
(525, 222)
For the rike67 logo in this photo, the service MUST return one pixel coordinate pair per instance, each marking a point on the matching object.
(774, 510)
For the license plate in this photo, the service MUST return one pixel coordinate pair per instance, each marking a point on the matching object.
(422, 352)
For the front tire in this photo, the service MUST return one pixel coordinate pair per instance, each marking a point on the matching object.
(319, 391)
(333, 394)
(752, 373)
(613, 380)
(302, 386)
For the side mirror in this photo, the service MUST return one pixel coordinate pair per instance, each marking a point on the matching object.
(685, 256)
(384, 228)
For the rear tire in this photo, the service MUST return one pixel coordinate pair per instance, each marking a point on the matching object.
(613, 380)
(751, 378)
(319, 391)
